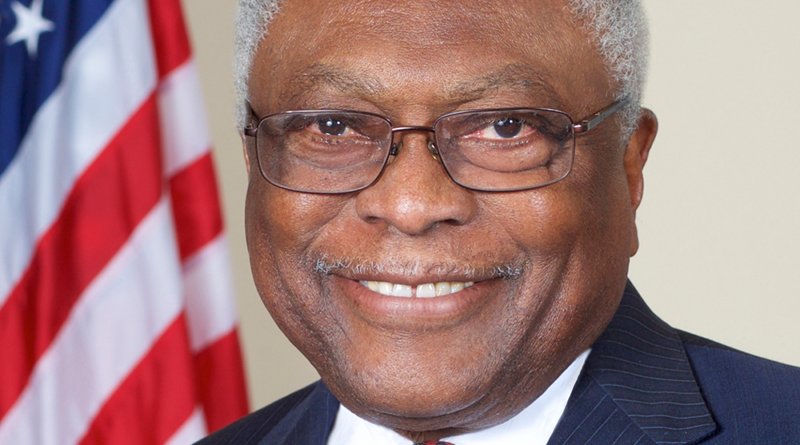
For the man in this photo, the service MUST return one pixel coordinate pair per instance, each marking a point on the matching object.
(440, 216)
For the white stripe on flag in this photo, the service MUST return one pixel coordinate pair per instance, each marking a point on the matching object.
(107, 77)
(183, 118)
(193, 430)
(209, 294)
(113, 325)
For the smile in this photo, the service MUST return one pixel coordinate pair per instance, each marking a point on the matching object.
(428, 290)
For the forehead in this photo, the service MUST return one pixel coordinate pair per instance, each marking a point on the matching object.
(452, 50)
(432, 23)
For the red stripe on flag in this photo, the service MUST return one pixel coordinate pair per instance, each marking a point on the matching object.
(221, 388)
(195, 206)
(154, 400)
(107, 202)
(169, 35)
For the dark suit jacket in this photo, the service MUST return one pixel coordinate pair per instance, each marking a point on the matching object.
(643, 383)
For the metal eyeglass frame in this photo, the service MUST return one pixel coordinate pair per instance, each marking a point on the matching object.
(583, 126)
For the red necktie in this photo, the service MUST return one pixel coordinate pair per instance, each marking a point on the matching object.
(433, 442)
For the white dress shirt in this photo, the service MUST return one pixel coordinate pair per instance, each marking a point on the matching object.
(532, 426)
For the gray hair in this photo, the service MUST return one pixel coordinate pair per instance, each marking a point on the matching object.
(618, 28)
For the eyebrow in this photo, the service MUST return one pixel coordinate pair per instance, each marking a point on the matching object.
(357, 83)
(320, 75)
(509, 77)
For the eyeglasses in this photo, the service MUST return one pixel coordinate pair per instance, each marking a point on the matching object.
(495, 150)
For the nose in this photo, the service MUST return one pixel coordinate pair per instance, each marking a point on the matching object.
(414, 194)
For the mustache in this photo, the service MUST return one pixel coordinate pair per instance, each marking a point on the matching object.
(326, 265)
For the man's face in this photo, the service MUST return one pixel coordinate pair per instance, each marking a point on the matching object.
(548, 265)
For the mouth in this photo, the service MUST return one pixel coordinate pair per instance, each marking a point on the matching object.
(427, 290)
(407, 295)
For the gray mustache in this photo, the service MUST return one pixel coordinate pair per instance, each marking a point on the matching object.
(326, 266)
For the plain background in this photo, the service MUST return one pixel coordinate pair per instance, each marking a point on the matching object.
(720, 249)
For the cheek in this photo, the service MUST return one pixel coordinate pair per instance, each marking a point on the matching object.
(280, 227)
(556, 222)
(597, 225)
(589, 212)
(575, 236)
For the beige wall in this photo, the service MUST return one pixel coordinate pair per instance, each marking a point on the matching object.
(719, 225)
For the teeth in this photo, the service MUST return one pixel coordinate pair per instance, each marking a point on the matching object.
(401, 290)
(385, 288)
(443, 289)
(428, 290)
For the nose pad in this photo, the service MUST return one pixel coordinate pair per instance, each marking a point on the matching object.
(433, 149)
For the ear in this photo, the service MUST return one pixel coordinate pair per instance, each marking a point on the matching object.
(636, 155)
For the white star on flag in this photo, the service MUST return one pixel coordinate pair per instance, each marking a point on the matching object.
(30, 24)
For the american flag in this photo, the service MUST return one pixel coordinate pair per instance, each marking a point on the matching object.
(117, 323)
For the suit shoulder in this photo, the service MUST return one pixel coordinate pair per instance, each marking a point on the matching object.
(745, 393)
(710, 352)
(249, 430)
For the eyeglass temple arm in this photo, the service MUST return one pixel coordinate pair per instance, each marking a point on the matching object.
(595, 120)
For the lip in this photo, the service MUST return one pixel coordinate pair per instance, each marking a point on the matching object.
(404, 312)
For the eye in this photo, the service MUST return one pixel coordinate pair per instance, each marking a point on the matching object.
(332, 126)
(508, 127)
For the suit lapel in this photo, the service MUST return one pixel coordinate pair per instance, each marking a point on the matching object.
(637, 386)
(309, 422)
